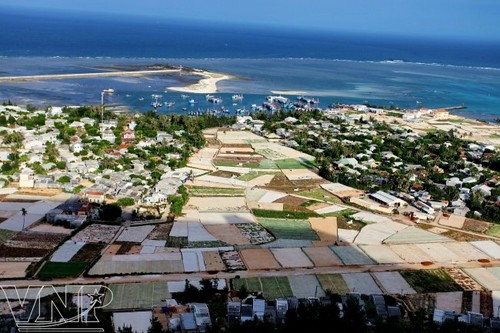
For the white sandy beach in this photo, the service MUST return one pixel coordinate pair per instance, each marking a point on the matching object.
(207, 85)
(289, 92)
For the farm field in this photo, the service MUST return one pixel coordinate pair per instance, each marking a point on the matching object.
(305, 286)
(292, 163)
(362, 283)
(61, 269)
(259, 259)
(5, 235)
(289, 229)
(393, 283)
(136, 295)
(351, 255)
(333, 282)
(430, 281)
(204, 191)
(272, 287)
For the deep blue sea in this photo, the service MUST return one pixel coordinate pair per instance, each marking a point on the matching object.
(334, 67)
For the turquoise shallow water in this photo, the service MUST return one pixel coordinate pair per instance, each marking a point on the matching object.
(343, 68)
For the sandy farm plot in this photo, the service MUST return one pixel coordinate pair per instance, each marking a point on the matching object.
(376, 233)
(202, 159)
(333, 282)
(393, 283)
(45, 227)
(259, 259)
(326, 228)
(439, 253)
(450, 301)
(370, 217)
(485, 277)
(305, 286)
(340, 190)
(489, 247)
(351, 255)
(226, 218)
(322, 256)
(10, 270)
(326, 209)
(135, 234)
(286, 243)
(465, 251)
(347, 236)
(238, 137)
(413, 235)
(382, 254)
(361, 283)
(291, 258)
(410, 253)
(96, 233)
(66, 251)
(228, 233)
(232, 260)
(139, 263)
(300, 174)
(30, 245)
(453, 220)
(217, 204)
(213, 261)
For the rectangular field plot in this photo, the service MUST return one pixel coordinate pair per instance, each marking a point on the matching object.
(66, 251)
(489, 247)
(61, 269)
(259, 259)
(333, 282)
(272, 287)
(465, 251)
(393, 283)
(9, 270)
(322, 256)
(129, 296)
(382, 254)
(135, 234)
(305, 286)
(96, 233)
(289, 229)
(352, 255)
(410, 253)
(484, 277)
(439, 253)
(362, 283)
(291, 258)
(213, 261)
(430, 281)
(228, 233)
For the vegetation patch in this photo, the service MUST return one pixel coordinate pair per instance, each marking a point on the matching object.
(272, 287)
(197, 244)
(292, 163)
(289, 229)
(494, 230)
(61, 269)
(5, 235)
(252, 175)
(88, 253)
(178, 242)
(431, 281)
(333, 283)
(202, 191)
(320, 194)
(284, 214)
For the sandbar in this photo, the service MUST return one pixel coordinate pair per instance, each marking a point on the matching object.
(289, 92)
(207, 85)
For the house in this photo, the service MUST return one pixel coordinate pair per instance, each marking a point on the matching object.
(485, 190)
(188, 323)
(201, 316)
(108, 135)
(27, 178)
(95, 196)
(162, 136)
(128, 136)
(233, 313)
(387, 199)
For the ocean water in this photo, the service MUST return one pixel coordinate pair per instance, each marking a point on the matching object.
(388, 70)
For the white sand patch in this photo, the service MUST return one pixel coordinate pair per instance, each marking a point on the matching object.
(217, 203)
(346, 235)
(330, 209)
(66, 251)
(291, 257)
(272, 196)
(394, 283)
(300, 174)
(439, 253)
(489, 247)
(9, 270)
(221, 180)
(261, 180)
(382, 254)
(226, 218)
(135, 234)
(362, 283)
(370, 217)
(376, 233)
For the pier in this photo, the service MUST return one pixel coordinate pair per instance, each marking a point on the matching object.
(85, 75)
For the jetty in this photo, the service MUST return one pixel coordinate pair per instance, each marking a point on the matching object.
(85, 75)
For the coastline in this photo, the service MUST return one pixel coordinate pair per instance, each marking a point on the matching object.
(206, 85)
(289, 92)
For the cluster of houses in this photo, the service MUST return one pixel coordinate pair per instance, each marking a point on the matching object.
(82, 166)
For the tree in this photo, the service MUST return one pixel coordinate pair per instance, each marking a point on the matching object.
(64, 180)
(451, 193)
(124, 202)
(110, 212)
(24, 212)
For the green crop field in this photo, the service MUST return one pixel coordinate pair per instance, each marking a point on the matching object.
(215, 191)
(333, 282)
(431, 281)
(320, 194)
(254, 174)
(61, 269)
(5, 235)
(272, 287)
(292, 163)
(494, 230)
(276, 214)
(289, 229)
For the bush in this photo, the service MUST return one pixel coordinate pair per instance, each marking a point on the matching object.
(110, 212)
(124, 202)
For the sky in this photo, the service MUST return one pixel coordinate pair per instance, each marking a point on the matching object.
(468, 19)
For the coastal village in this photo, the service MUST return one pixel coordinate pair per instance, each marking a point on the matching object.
(380, 216)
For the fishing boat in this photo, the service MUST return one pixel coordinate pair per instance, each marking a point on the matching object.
(192, 101)
(184, 96)
(108, 91)
(156, 103)
(170, 104)
(213, 99)
(237, 97)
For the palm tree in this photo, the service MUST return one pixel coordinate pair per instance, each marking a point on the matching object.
(24, 212)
